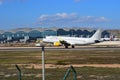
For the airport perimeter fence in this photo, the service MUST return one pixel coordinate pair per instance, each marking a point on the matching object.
(55, 74)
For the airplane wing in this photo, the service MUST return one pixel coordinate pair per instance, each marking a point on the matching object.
(66, 42)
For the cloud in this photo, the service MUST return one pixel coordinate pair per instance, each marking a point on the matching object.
(1, 1)
(64, 18)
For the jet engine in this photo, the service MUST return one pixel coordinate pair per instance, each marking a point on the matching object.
(97, 41)
(57, 43)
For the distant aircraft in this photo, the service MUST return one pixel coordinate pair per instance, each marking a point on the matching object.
(111, 38)
(72, 41)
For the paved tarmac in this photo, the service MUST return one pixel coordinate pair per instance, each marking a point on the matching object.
(55, 48)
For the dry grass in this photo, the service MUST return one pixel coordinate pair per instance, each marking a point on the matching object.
(101, 65)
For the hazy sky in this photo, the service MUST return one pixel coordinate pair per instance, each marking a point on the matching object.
(59, 13)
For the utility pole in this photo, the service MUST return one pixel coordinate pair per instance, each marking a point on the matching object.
(43, 63)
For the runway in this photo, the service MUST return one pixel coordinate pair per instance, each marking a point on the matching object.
(55, 48)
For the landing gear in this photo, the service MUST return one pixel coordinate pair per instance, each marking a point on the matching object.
(66, 46)
(73, 46)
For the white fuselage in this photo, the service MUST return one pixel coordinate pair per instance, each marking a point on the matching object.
(70, 40)
(74, 40)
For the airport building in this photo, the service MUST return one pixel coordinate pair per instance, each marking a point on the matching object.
(31, 34)
(25, 35)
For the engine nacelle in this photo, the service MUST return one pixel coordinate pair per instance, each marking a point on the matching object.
(97, 41)
(57, 43)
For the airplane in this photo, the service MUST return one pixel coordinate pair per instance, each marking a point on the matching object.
(72, 41)
(111, 38)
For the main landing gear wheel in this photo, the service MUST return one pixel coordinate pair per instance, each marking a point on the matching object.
(73, 46)
(66, 46)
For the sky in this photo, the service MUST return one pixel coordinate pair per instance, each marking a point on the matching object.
(59, 13)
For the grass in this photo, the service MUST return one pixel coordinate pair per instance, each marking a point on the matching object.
(9, 72)
(61, 57)
(83, 73)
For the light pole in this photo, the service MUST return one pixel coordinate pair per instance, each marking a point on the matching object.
(43, 63)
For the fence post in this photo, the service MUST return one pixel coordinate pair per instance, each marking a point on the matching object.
(19, 72)
(74, 71)
(68, 72)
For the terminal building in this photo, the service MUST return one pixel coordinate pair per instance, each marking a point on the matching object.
(31, 34)
(25, 35)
